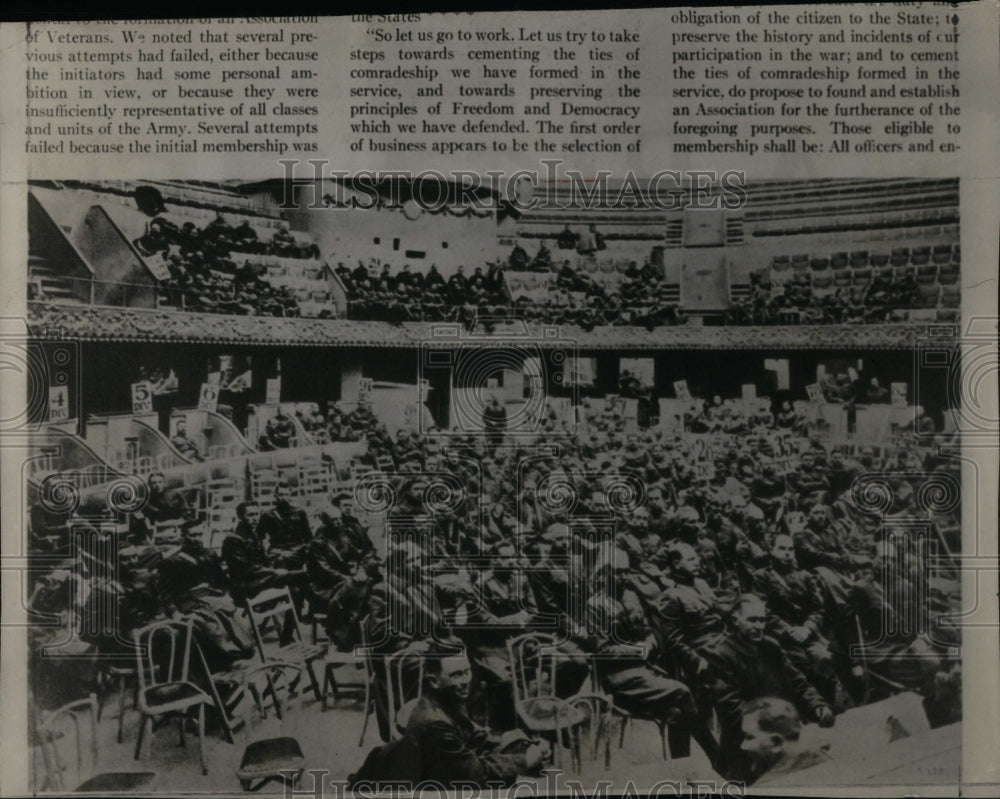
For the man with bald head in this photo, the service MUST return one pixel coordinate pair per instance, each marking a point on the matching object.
(746, 664)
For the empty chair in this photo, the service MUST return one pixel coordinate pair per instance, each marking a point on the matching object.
(271, 753)
(902, 272)
(884, 273)
(879, 259)
(819, 264)
(70, 751)
(941, 254)
(842, 279)
(273, 609)
(948, 269)
(926, 273)
(947, 314)
(861, 277)
(920, 258)
(929, 293)
(838, 260)
(900, 256)
(948, 278)
(951, 296)
(859, 259)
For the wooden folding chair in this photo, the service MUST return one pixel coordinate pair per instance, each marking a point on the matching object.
(271, 757)
(274, 608)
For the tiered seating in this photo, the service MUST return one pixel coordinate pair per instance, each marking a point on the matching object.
(915, 283)
(304, 278)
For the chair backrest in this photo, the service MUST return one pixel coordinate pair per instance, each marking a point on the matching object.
(399, 692)
(163, 653)
(533, 666)
(272, 606)
(591, 716)
(68, 737)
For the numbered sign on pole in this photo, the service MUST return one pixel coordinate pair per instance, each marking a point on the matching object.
(899, 395)
(815, 392)
(142, 397)
(58, 403)
(681, 389)
(208, 399)
(273, 394)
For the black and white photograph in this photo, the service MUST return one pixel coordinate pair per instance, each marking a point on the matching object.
(372, 482)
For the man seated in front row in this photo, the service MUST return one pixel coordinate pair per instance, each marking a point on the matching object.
(287, 529)
(452, 748)
(251, 568)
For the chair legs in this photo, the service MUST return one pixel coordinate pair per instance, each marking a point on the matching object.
(146, 736)
(201, 739)
(329, 681)
(369, 709)
(121, 707)
(145, 729)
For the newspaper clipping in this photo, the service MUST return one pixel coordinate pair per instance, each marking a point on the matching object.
(595, 403)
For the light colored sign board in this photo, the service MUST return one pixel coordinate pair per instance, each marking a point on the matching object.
(208, 397)
(365, 389)
(59, 403)
(681, 390)
(273, 392)
(142, 397)
(899, 395)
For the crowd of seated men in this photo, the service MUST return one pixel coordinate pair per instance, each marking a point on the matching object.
(410, 296)
(641, 299)
(798, 303)
(719, 587)
(357, 424)
(204, 277)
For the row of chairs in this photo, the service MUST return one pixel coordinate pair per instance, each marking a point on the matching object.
(938, 255)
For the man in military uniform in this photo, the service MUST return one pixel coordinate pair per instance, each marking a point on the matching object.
(280, 430)
(357, 534)
(163, 508)
(618, 631)
(821, 548)
(494, 424)
(451, 748)
(184, 445)
(747, 664)
(337, 581)
(251, 568)
(795, 613)
(403, 615)
(688, 615)
(287, 529)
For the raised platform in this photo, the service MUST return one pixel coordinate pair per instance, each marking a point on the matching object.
(89, 323)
